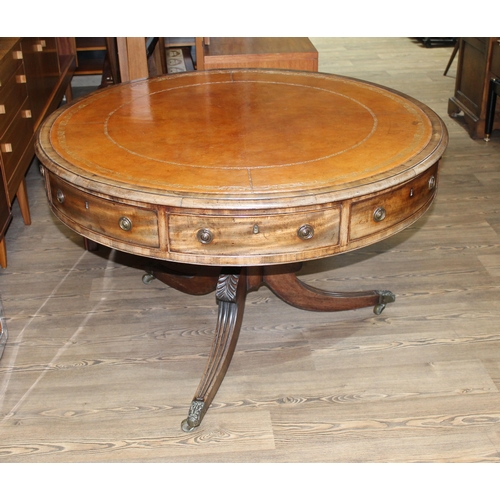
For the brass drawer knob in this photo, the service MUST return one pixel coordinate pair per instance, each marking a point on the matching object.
(125, 223)
(60, 196)
(379, 214)
(432, 183)
(305, 232)
(205, 236)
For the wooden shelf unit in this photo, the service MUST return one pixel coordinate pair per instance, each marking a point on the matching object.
(90, 54)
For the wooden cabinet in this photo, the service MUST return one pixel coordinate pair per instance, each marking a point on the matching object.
(478, 62)
(35, 74)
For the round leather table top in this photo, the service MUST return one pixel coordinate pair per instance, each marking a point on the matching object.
(221, 138)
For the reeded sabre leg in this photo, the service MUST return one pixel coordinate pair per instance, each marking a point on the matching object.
(285, 284)
(230, 295)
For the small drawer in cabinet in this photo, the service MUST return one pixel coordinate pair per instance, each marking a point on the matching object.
(380, 212)
(254, 235)
(10, 63)
(118, 221)
(12, 97)
(16, 138)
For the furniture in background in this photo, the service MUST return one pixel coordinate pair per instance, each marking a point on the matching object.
(478, 63)
(493, 92)
(133, 58)
(90, 55)
(452, 57)
(437, 41)
(256, 52)
(35, 75)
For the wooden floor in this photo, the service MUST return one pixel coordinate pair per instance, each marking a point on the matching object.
(100, 367)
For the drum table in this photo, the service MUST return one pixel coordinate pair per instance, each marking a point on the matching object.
(233, 178)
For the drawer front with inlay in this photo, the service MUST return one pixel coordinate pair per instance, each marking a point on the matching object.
(254, 235)
(127, 223)
(377, 213)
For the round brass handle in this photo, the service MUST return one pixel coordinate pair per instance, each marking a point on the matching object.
(60, 196)
(305, 232)
(205, 236)
(432, 182)
(125, 223)
(379, 214)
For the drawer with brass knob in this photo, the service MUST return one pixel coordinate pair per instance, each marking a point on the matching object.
(377, 213)
(255, 235)
(102, 217)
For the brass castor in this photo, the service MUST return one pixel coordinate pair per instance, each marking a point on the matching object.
(186, 426)
(378, 309)
(147, 278)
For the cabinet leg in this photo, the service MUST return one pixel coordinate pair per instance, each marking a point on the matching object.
(68, 93)
(230, 294)
(3, 254)
(22, 198)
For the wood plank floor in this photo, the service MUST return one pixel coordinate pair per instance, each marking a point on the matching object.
(99, 367)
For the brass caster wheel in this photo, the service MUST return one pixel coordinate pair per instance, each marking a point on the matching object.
(147, 278)
(186, 426)
(378, 309)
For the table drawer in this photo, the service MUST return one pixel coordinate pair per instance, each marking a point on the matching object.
(254, 235)
(380, 212)
(127, 223)
(10, 63)
(16, 138)
(12, 96)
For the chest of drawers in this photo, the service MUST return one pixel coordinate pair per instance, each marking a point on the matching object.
(35, 73)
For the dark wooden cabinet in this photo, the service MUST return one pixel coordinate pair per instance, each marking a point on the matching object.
(478, 62)
(35, 74)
